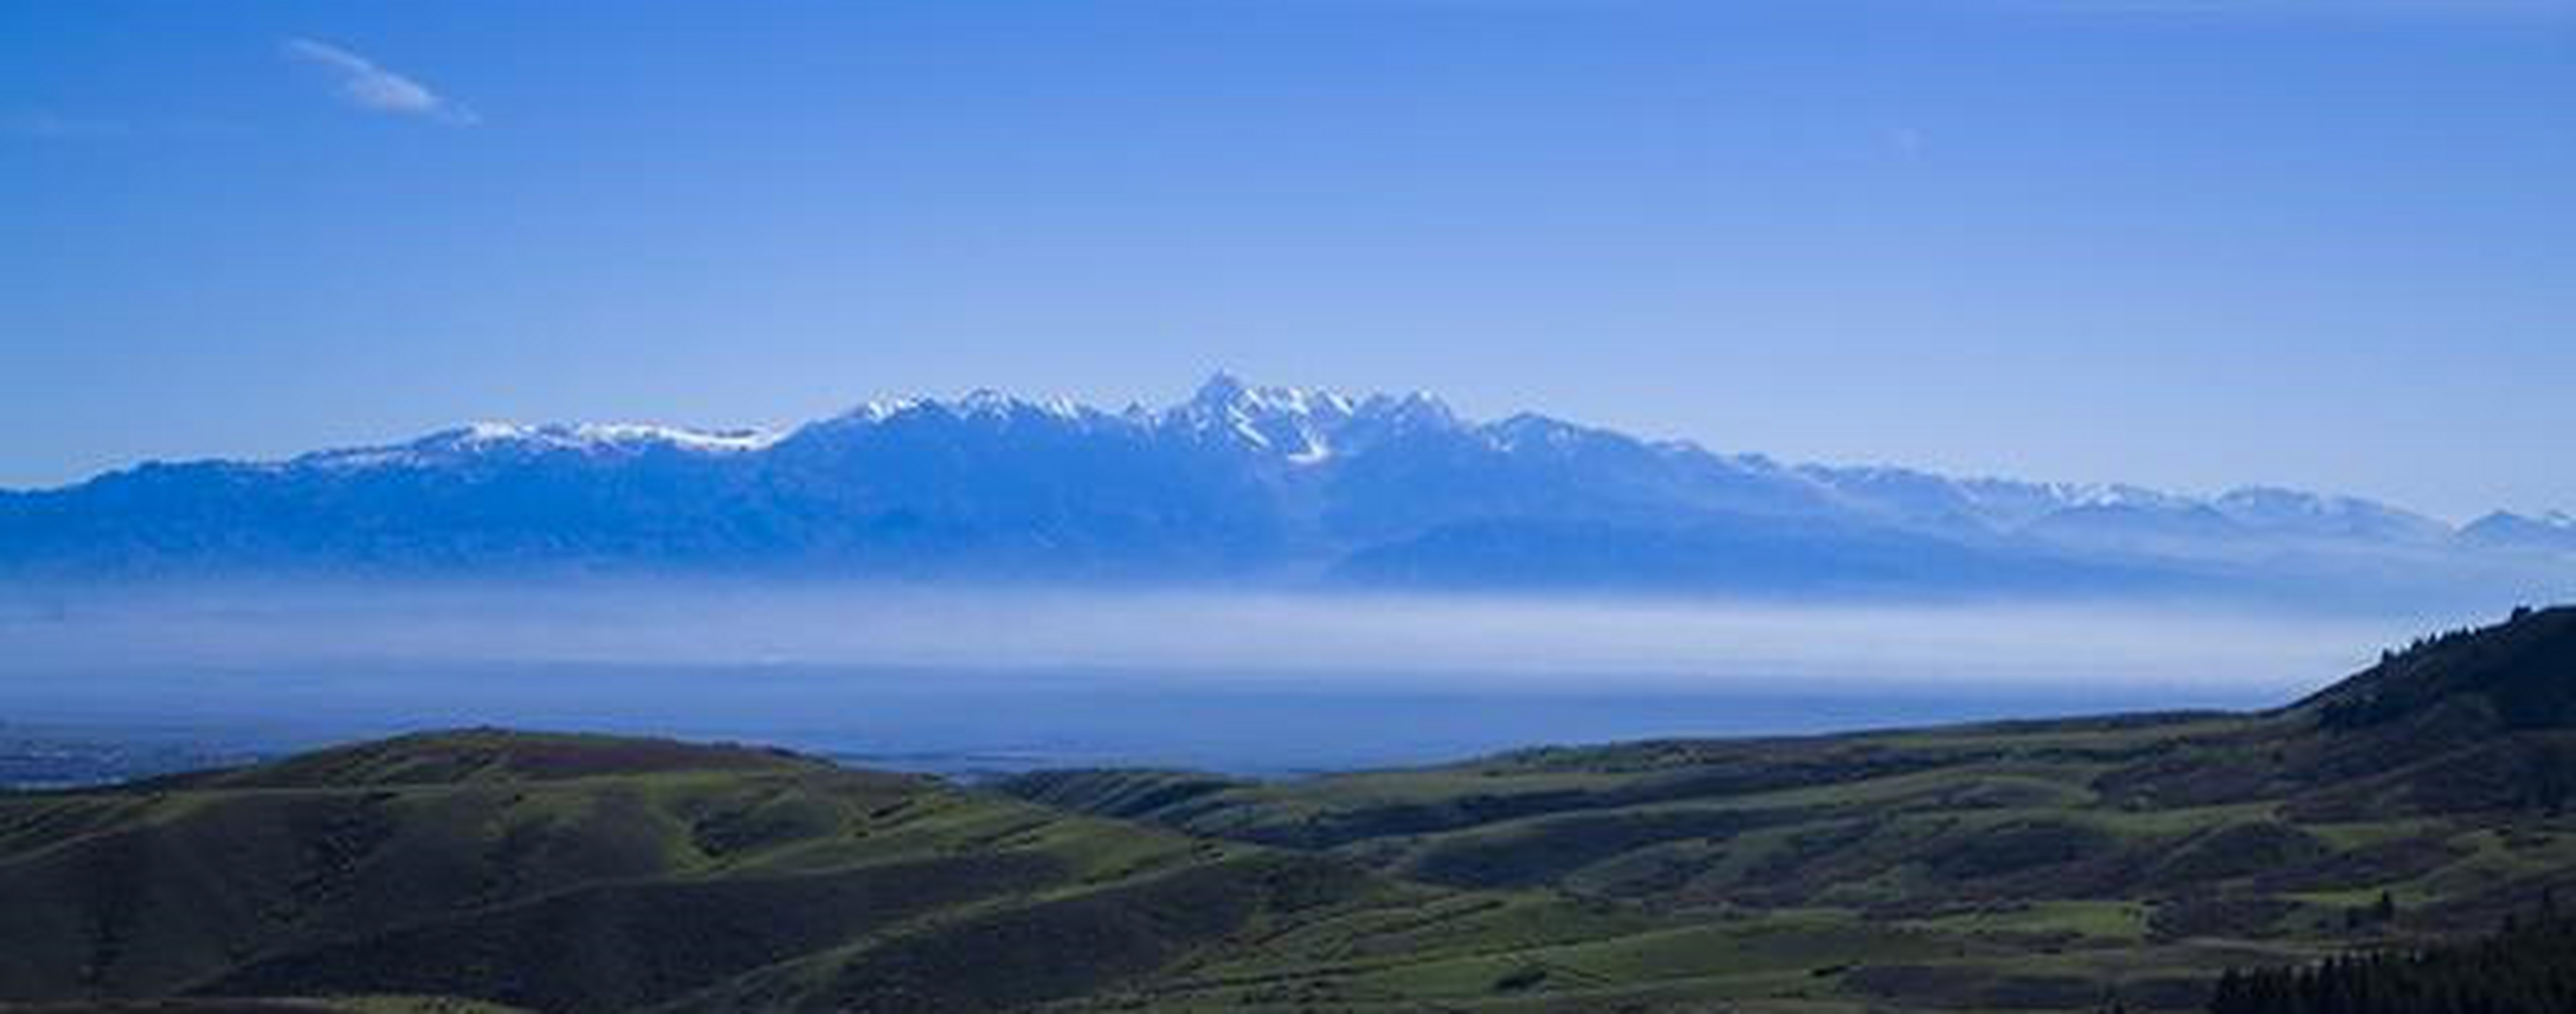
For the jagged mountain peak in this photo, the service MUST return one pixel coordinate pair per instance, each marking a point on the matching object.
(983, 404)
(1224, 392)
(1416, 409)
(1299, 422)
(1237, 478)
(1301, 425)
(1310, 425)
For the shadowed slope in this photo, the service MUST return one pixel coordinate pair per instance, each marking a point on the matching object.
(579, 873)
(2016, 866)
(2439, 776)
(493, 755)
(568, 873)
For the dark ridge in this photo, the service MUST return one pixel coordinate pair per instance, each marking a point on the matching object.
(2520, 675)
(489, 755)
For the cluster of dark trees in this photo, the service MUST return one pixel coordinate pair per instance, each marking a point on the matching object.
(2527, 968)
(2519, 669)
(2447, 638)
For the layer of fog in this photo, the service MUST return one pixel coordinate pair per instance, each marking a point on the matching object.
(1243, 681)
(1198, 635)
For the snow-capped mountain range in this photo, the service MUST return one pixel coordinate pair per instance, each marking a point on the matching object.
(1238, 483)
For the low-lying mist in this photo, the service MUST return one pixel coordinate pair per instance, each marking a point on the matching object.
(959, 679)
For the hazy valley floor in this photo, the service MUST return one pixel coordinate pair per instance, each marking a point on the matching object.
(114, 685)
(968, 725)
(2059, 865)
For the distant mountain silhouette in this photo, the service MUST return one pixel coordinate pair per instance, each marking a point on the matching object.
(1240, 482)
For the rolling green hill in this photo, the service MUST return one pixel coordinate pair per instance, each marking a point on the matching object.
(575, 873)
(2120, 855)
(2025, 866)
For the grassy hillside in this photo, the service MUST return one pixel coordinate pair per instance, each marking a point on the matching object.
(575, 873)
(2056, 862)
(570, 873)
(2028, 866)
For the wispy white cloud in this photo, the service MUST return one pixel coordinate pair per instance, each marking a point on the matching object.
(368, 86)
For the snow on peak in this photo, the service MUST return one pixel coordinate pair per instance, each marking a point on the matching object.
(2278, 502)
(713, 441)
(602, 436)
(1225, 393)
(881, 409)
(2123, 496)
(2323, 514)
(1303, 427)
(1297, 423)
(1300, 425)
(2555, 520)
(1417, 409)
(985, 401)
(493, 432)
(982, 403)
(1529, 430)
(484, 438)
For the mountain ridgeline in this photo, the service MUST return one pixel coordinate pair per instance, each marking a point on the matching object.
(1239, 483)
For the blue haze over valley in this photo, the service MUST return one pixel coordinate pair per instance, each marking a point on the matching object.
(1259, 579)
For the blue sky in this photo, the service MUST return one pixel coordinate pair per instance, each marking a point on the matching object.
(2192, 244)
